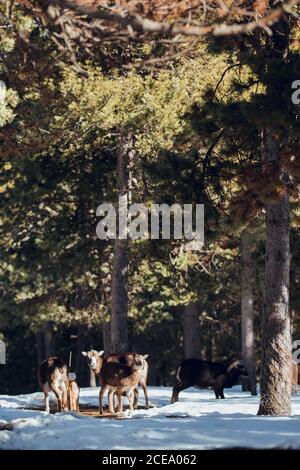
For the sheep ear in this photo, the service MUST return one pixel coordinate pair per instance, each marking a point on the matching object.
(84, 353)
(100, 353)
(146, 355)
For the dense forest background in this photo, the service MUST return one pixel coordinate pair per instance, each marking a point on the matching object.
(192, 115)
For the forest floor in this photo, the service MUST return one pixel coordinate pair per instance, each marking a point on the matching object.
(197, 421)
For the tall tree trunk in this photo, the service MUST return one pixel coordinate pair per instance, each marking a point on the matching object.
(276, 370)
(92, 376)
(106, 335)
(119, 281)
(81, 366)
(247, 278)
(119, 298)
(48, 339)
(40, 349)
(208, 342)
(105, 287)
(85, 375)
(276, 378)
(191, 331)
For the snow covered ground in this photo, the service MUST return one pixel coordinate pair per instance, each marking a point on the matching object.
(198, 421)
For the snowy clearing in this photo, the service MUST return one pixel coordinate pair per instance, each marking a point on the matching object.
(198, 421)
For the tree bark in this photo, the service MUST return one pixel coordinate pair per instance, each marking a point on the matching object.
(191, 331)
(80, 346)
(48, 339)
(119, 281)
(276, 370)
(119, 298)
(208, 342)
(106, 335)
(106, 300)
(85, 375)
(40, 346)
(247, 300)
(92, 376)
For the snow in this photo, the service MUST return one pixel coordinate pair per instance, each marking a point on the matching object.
(197, 421)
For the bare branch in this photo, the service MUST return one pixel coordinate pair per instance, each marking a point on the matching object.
(141, 24)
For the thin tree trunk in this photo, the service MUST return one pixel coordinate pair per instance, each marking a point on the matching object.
(80, 365)
(191, 331)
(208, 342)
(119, 298)
(92, 375)
(119, 281)
(276, 371)
(40, 346)
(247, 278)
(48, 339)
(106, 300)
(106, 335)
(85, 375)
